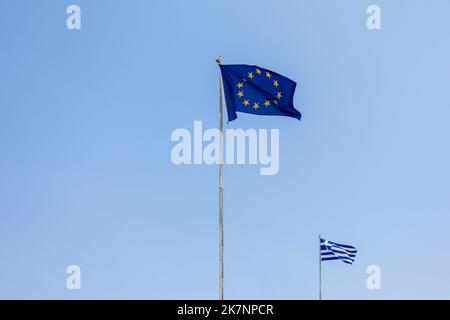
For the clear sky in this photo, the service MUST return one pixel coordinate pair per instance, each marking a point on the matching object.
(86, 176)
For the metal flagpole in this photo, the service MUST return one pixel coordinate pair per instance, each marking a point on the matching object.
(219, 61)
(320, 269)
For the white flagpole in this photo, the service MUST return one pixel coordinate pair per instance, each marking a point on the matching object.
(320, 269)
(219, 61)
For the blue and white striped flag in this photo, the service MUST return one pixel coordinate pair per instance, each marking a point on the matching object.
(335, 251)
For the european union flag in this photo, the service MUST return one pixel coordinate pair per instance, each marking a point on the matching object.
(256, 90)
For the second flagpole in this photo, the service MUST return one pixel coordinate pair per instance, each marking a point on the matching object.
(219, 61)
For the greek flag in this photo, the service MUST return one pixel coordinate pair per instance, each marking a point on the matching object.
(335, 251)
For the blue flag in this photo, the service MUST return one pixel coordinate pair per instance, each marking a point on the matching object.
(256, 90)
(334, 251)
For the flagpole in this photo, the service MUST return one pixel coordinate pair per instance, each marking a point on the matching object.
(320, 269)
(219, 61)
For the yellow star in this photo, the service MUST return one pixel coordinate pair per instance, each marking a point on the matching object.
(275, 83)
(258, 71)
(267, 103)
(246, 102)
(256, 105)
(279, 95)
(250, 75)
(268, 75)
(275, 101)
(240, 94)
(240, 85)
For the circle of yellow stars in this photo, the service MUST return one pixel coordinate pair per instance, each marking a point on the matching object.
(255, 105)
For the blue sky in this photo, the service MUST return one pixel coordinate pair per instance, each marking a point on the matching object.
(86, 176)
